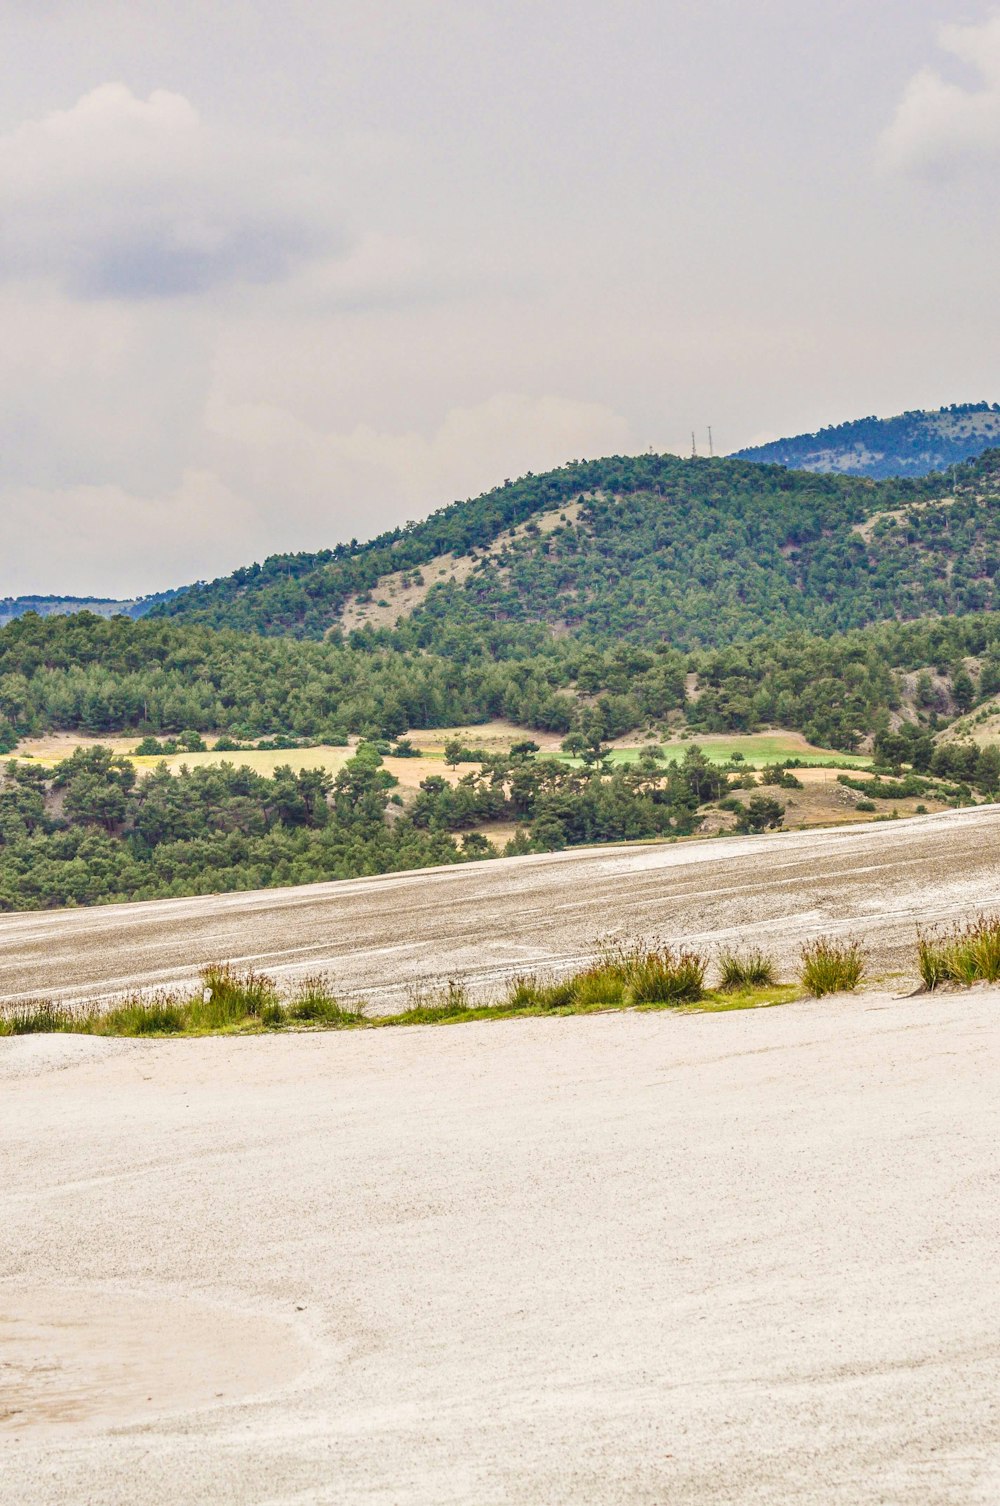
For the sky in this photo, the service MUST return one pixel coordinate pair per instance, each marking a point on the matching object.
(277, 276)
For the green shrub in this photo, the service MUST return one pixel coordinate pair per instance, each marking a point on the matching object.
(963, 954)
(751, 968)
(832, 967)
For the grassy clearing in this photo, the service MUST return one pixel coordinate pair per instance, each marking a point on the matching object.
(754, 750)
(625, 975)
(832, 967)
(962, 955)
(758, 749)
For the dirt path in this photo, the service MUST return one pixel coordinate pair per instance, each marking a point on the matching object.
(616, 1260)
(483, 921)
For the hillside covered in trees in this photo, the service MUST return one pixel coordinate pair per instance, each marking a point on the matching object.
(628, 598)
(653, 549)
(911, 444)
(83, 674)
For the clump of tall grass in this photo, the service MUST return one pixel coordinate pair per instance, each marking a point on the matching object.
(161, 1015)
(639, 972)
(963, 954)
(313, 1002)
(749, 968)
(527, 991)
(34, 1017)
(229, 997)
(831, 967)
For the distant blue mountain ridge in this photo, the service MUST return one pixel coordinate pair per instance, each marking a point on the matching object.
(63, 606)
(912, 444)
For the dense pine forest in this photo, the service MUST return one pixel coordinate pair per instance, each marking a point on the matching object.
(87, 675)
(695, 553)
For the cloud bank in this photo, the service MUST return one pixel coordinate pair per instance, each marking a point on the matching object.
(940, 126)
(121, 197)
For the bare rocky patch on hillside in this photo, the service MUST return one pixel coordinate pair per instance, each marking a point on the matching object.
(401, 593)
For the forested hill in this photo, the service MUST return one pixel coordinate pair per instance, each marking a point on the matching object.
(698, 553)
(912, 444)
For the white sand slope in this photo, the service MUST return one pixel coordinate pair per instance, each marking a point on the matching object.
(379, 936)
(741, 1258)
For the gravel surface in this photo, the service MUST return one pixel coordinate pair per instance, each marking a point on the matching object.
(617, 1260)
(379, 937)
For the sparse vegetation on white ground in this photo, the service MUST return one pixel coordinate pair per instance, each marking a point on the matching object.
(476, 1264)
(617, 1258)
(744, 907)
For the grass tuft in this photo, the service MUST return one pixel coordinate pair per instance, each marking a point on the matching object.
(832, 967)
(750, 968)
(229, 997)
(137, 1016)
(637, 972)
(313, 1002)
(34, 1017)
(963, 955)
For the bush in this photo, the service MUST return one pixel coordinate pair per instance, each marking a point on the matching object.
(865, 805)
(831, 967)
(775, 774)
(963, 955)
(762, 813)
(751, 968)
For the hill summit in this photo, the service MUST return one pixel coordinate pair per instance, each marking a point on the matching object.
(911, 444)
(648, 548)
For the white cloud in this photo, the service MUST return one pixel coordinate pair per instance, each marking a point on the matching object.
(104, 538)
(941, 125)
(132, 198)
(366, 478)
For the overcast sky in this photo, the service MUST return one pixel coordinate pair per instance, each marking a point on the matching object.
(273, 276)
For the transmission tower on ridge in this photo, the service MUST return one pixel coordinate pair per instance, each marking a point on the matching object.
(694, 446)
(711, 447)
